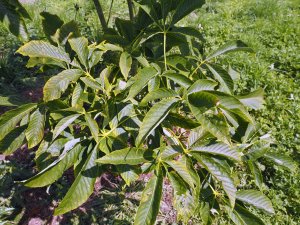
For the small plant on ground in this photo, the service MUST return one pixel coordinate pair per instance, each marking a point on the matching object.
(148, 99)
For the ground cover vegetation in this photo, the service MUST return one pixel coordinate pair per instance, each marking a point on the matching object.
(150, 95)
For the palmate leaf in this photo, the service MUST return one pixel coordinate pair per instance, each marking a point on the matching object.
(56, 169)
(63, 124)
(220, 172)
(77, 92)
(219, 149)
(202, 85)
(36, 128)
(45, 50)
(80, 46)
(125, 64)
(256, 199)
(229, 47)
(178, 120)
(12, 141)
(241, 216)
(158, 94)
(154, 117)
(10, 119)
(142, 79)
(83, 185)
(256, 173)
(150, 200)
(185, 201)
(92, 83)
(129, 156)
(129, 173)
(59, 83)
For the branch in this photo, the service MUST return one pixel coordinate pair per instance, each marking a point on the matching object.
(100, 14)
(130, 8)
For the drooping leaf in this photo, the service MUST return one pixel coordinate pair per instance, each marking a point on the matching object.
(158, 94)
(10, 119)
(154, 117)
(219, 149)
(254, 100)
(83, 185)
(220, 172)
(67, 30)
(12, 141)
(125, 64)
(150, 200)
(44, 50)
(63, 124)
(58, 84)
(229, 47)
(282, 160)
(256, 199)
(56, 169)
(129, 156)
(142, 79)
(36, 128)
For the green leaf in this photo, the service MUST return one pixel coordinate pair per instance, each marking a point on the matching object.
(179, 79)
(66, 31)
(125, 64)
(82, 187)
(12, 141)
(216, 126)
(202, 85)
(77, 93)
(142, 79)
(254, 100)
(63, 124)
(93, 126)
(256, 173)
(92, 83)
(185, 202)
(222, 76)
(154, 117)
(36, 128)
(182, 121)
(185, 7)
(184, 167)
(10, 101)
(282, 160)
(56, 169)
(50, 23)
(202, 100)
(44, 50)
(256, 199)
(129, 156)
(241, 216)
(158, 94)
(150, 200)
(169, 152)
(220, 172)
(229, 47)
(59, 83)
(12, 15)
(10, 119)
(219, 149)
(129, 173)
(80, 46)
